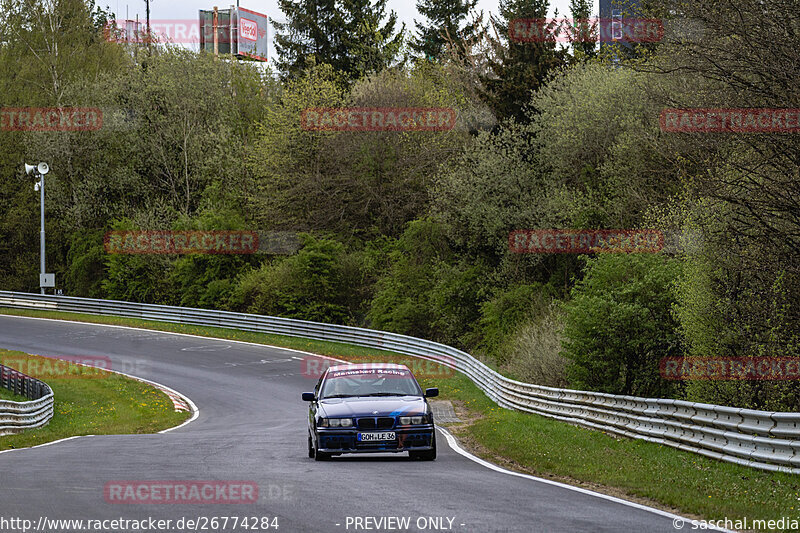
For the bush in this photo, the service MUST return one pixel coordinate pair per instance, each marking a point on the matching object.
(505, 312)
(85, 264)
(320, 283)
(533, 354)
(424, 292)
(138, 278)
(401, 303)
(619, 325)
(207, 281)
(735, 300)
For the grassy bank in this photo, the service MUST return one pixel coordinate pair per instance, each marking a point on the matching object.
(656, 475)
(6, 394)
(91, 402)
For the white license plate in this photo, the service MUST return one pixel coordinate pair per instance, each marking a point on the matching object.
(370, 437)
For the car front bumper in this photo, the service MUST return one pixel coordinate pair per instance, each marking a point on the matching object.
(418, 438)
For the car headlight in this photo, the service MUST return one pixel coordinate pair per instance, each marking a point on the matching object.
(335, 422)
(413, 420)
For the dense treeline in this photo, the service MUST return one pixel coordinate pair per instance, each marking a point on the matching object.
(409, 231)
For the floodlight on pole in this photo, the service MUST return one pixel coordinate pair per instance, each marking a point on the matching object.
(39, 171)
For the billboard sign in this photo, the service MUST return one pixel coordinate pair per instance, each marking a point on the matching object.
(252, 34)
(241, 32)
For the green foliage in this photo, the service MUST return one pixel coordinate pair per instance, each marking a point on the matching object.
(446, 25)
(597, 133)
(506, 311)
(586, 160)
(355, 37)
(362, 183)
(401, 302)
(371, 47)
(584, 31)
(85, 265)
(619, 325)
(137, 277)
(48, 45)
(209, 281)
(45, 48)
(518, 69)
(320, 283)
(532, 354)
(736, 301)
(311, 30)
(425, 291)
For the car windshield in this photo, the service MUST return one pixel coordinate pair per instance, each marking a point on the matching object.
(370, 382)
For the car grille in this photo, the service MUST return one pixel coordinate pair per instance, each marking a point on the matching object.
(381, 422)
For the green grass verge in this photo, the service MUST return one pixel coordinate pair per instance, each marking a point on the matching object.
(92, 402)
(6, 394)
(659, 475)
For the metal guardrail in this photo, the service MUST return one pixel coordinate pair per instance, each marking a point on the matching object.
(757, 439)
(16, 417)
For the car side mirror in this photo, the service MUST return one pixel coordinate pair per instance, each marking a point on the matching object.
(431, 393)
(308, 397)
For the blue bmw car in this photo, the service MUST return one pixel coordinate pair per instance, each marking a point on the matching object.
(371, 407)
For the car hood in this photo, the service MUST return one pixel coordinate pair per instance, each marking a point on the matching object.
(371, 406)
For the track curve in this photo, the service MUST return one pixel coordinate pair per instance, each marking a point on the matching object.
(252, 427)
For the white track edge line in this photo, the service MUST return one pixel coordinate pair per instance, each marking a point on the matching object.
(453, 443)
(45, 444)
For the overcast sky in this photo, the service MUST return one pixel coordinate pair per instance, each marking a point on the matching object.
(188, 9)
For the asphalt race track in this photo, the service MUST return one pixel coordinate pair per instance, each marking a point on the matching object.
(252, 426)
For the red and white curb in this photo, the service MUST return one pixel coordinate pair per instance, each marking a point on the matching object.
(177, 400)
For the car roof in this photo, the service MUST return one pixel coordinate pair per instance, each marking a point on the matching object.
(368, 366)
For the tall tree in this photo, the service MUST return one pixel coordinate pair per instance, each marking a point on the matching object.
(355, 37)
(583, 30)
(444, 26)
(370, 46)
(51, 42)
(519, 68)
(312, 28)
(46, 47)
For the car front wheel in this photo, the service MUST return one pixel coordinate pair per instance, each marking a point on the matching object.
(316, 454)
(427, 455)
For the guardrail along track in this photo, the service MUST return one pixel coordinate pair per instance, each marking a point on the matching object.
(16, 417)
(757, 439)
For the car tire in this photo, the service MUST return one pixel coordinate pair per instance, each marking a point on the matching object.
(318, 455)
(322, 456)
(427, 455)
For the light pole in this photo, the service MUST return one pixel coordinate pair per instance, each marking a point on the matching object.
(45, 280)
